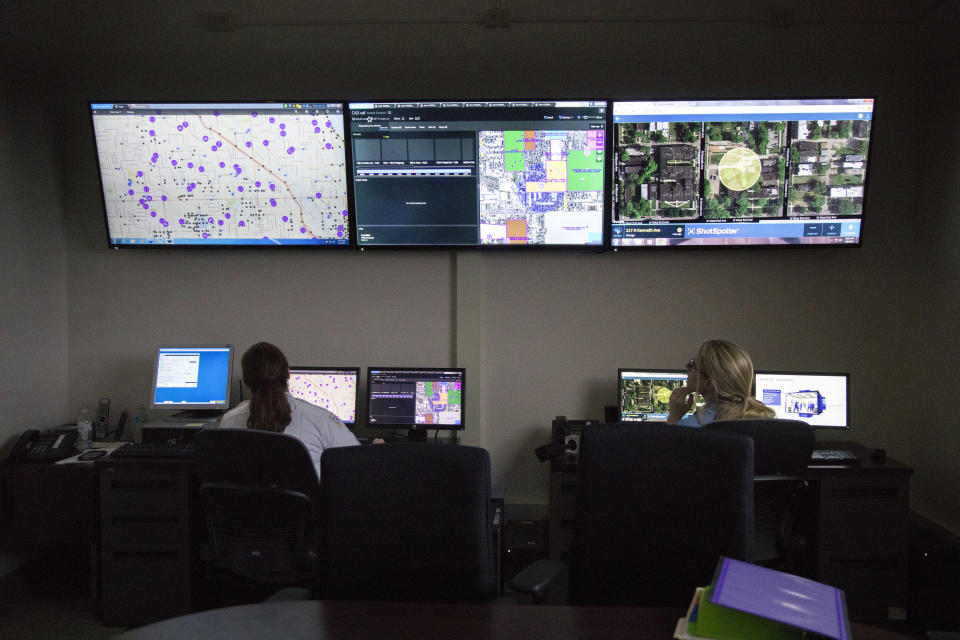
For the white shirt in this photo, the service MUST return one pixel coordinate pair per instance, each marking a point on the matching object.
(315, 427)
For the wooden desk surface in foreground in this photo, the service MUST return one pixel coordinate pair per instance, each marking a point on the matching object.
(337, 620)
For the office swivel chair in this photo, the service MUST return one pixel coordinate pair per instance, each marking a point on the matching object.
(782, 450)
(657, 505)
(259, 494)
(407, 522)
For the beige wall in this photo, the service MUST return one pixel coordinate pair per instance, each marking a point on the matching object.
(541, 333)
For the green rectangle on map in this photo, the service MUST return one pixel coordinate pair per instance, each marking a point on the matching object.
(585, 170)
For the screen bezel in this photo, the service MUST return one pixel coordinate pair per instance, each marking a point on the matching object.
(356, 387)
(605, 229)
(414, 426)
(843, 374)
(191, 406)
(351, 229)
(750, 246)
(620, 378)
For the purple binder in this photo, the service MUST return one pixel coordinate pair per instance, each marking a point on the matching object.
(798, 602)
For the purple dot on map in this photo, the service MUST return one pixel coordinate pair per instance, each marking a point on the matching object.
(316, 129)
(283, 134)
(219, 143)
(213, 147)
(226, 215)
(290, 151)
(273, 202)
(249, 144)
(206, 138)
(283, 126)
(205, 235)
(173, 163)
(179, 128)
(285, 218)
(303, 230)
(240, 189)
(149, 198)
(164, 222)
(152, 132)
(182, 221)
(220, 222)
(223, 164)
(272, 119)
(344, 212)
(189, 165)
(313, 122)
(129, 192)
(241, 224)
(153, 214)
(164, 198)
(328, 124)
(139, 174)
(152, 119)
(329, 146)
(253, 114)
(145, 206)
(257, 183)
(266, 237)
(273, 187)
(340, 227)
(266, 143)
(339, 234)
(210, 220)
(216, 114)
(185, 124)
(201, 169)
(318, 195)
(146, 189)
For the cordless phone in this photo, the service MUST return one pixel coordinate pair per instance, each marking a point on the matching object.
(102, 417)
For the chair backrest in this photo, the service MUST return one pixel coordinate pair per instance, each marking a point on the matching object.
(780, 447)
(657, 506)
(407, 522)
(259, 493)
(782, 450)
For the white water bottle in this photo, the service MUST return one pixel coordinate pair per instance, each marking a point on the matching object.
(84, 430)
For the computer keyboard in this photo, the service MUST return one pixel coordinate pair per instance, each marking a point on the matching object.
(833, 456)
(154, 450)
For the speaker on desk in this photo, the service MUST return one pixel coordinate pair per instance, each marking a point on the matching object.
(524, 541)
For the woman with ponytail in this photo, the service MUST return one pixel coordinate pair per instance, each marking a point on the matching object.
(272, 408)
(722, 373)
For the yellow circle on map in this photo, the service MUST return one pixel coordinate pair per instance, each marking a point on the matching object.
(663, 395)
(739, 169)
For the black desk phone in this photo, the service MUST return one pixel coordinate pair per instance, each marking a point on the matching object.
(34, 446)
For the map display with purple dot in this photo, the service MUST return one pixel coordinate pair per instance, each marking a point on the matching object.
(333, 390)
(223, 174)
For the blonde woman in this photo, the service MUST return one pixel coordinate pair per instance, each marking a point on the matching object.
(722, 373)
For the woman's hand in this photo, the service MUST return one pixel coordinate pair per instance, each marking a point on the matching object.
(681, 401)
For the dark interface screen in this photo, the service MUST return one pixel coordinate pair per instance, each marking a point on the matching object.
(479, 173)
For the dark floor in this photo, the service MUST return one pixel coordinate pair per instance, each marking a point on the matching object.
(49, 598)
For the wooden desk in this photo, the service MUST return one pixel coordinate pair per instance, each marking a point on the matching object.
(318, 620)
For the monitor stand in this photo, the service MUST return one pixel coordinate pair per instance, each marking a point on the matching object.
(415, 434)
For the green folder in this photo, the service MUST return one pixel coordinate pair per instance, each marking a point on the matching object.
(708, 620)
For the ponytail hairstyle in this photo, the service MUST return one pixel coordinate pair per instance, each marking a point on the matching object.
(265, 371)
(731, 370)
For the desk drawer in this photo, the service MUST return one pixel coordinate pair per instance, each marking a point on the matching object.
(144, 525)
(868, 517)
(156, 491)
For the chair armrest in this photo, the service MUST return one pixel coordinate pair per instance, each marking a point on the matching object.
(536, 578)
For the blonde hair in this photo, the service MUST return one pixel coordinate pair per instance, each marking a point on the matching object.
(731, 370)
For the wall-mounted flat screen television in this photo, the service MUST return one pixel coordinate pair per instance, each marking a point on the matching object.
(491, 174)
(740, 172)
(227, 174)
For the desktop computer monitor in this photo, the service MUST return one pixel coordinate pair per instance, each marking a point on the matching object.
(819, 399)
(192, 378)
(416, 399)
(331, 388)
(644, 394)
